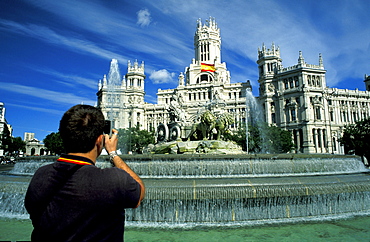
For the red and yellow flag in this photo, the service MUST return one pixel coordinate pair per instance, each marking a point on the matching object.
(207, 67)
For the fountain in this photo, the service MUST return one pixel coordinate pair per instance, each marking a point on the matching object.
(253, 114)
(211, 181)
(114, 81)
(193, 189)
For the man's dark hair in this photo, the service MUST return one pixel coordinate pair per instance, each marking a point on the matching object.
(79, 128)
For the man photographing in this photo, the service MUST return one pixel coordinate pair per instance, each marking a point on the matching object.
(72, 199)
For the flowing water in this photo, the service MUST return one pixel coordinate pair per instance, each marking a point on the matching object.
(217, 193)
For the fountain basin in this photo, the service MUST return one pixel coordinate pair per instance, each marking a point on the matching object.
(227, 188)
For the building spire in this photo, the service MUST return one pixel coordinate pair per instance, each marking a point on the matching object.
(321, 63)
(181, 79)
(301, 59)
(274, 51)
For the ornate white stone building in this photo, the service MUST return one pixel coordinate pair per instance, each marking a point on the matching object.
(205, 84)
(294, 98)
(6, 129)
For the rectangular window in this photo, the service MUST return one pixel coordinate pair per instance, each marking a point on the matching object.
(293, 113)
(287, 114)
(296, 81)
(318, 113)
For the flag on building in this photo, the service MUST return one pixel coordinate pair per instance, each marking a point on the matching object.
(208, 67)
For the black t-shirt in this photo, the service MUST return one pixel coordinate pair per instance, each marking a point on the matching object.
(68, 201)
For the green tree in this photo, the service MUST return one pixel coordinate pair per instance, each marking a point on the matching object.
(238, 136)
(53, 143)
(262, 138)
(356, 138)
(255, 139)
(14, 144)
(134, 139)
(279, 140)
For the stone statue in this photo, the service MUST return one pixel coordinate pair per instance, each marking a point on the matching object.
(222, 124)
(177, 114)
(202, 130)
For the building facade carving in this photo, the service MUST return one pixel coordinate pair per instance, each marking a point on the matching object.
(295, 98)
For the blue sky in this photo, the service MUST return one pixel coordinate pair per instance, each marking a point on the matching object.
(53, 53)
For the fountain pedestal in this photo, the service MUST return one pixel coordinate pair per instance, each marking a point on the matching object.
(199, 146)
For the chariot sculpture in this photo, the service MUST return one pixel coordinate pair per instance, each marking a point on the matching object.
(204, 126)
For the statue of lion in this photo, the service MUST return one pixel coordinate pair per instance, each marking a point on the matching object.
(222, 124)
(202, 130)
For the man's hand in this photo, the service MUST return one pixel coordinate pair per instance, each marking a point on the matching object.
(110, 143)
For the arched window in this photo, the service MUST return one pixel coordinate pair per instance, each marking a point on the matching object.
(204, 78)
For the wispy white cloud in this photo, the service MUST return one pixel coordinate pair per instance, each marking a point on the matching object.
(69, 79)
(53, 96)
(94, 16)
(37, 109)
(46, 34)
(143, 17)
(150, 98)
